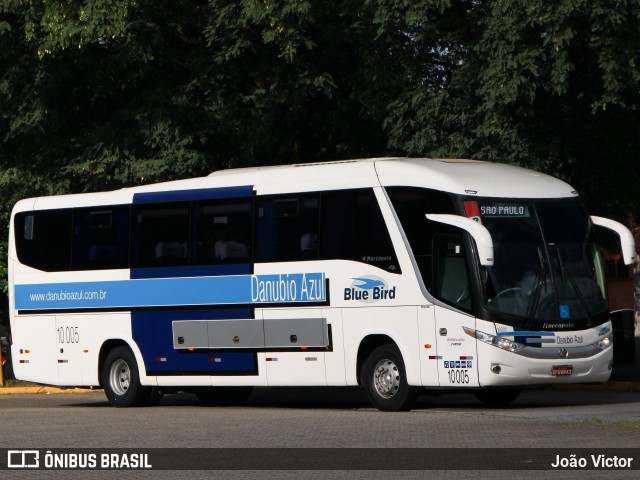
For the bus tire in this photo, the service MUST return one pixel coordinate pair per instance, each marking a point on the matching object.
(121, 380)
(385, 380)
(223, 395)
(497, 397)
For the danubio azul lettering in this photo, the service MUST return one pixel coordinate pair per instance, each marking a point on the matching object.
(288, 288)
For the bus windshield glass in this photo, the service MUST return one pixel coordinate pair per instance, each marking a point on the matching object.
(548, 270)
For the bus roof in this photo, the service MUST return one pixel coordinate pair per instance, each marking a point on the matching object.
(463, 176)
(459, 176)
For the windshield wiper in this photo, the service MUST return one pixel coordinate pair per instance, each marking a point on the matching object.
(536, 290)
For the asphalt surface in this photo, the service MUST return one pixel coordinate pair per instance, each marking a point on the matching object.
(325, 418)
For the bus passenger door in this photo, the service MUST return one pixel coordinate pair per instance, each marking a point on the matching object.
(457, 355)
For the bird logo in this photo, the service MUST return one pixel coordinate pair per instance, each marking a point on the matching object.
(368, 283)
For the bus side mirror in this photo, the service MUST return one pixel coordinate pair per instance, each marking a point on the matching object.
(626, 238)
(480, 234)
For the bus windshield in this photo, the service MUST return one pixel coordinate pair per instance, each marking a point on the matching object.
(547, 270)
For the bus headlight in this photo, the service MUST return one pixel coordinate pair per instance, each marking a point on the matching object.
(605, 343)
(500, 342)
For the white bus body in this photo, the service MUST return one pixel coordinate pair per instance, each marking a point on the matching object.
(390, 273)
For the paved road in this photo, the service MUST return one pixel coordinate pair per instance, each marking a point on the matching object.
(326, 418)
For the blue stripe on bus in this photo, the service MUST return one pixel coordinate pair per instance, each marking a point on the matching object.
(153, 333)
(189, 195)
(284, 288)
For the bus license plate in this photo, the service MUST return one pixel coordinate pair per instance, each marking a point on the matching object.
(562, 370)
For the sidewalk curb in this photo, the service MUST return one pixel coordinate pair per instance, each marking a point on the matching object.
(45, 390)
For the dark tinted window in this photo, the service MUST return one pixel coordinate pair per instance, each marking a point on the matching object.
(451, 272)
(161, 235)
(344, 224)
(287, 227)
(43, 239)
(411, 206)
(352, 228)
(101, 238)
(223, 230)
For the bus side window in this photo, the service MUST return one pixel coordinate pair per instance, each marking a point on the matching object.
(411, 204)
(451, 272)
(160, 235)
(101, 238)
(223, 230)
(43, 239)
(287, 228)
(336, 225)
(353, 228)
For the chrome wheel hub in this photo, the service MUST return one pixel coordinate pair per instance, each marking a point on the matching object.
(386, 378)
(120, 377)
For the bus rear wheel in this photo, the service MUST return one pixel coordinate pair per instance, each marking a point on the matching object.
(121, 380)
(385, 380)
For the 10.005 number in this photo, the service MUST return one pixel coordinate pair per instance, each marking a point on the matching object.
(458, 376)
(68, 335)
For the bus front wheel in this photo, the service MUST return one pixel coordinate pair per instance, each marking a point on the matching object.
(121, 380)
(385, 380)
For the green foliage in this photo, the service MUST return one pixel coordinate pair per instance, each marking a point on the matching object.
(56, 26)
(99, 94)
(548, 85)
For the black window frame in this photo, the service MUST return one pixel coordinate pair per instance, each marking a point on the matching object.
(49, 247)
(238, 239)
(73, 255)
(93, 248)
(314, 232)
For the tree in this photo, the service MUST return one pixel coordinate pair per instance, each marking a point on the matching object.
(553, 86)
(99, 94)
(104, 93)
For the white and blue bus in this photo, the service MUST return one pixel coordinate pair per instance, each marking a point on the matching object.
(393, 274)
